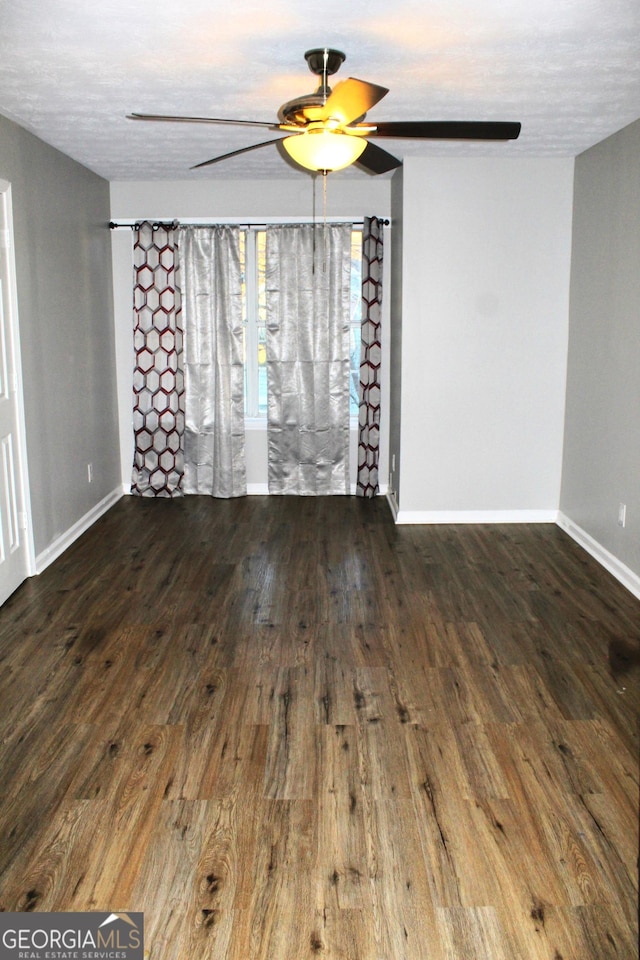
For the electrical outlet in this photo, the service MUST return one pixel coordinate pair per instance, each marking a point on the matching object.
(622, 514)
(89, 473)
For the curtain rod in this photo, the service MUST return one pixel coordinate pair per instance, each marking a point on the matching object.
(156, 222)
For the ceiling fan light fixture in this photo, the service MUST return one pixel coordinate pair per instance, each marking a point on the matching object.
(323, 150)
(326, 129)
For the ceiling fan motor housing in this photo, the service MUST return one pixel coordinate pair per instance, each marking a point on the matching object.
(322, 60)
(300, 111)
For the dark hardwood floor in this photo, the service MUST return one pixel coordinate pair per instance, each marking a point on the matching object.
(286, 728)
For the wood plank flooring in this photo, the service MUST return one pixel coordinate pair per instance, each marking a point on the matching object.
(286, 728)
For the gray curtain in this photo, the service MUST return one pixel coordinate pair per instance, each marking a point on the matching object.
(211, 277)
(308, 275)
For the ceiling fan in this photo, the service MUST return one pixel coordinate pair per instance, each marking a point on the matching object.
(327, 131)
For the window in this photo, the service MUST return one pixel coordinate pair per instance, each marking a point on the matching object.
(252, 252)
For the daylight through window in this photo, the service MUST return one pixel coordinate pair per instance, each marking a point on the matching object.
(252, 252)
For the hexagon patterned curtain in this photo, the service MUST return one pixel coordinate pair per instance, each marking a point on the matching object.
(158, 383)
(370, 357)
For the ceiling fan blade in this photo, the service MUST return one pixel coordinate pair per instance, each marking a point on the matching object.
(236, 153)
(351, 99)
(156, 116)
(448, 130)
(376, 160)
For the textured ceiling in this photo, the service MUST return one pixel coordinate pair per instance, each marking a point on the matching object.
(70, 72)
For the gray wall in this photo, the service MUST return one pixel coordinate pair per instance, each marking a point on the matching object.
(486, 247)
(601, 467)
(65, 308)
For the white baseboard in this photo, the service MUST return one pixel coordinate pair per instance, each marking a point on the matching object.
(475, 516)
(60, 544)
(620, 571)
(257, 490)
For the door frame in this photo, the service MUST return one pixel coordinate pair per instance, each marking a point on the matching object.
(7, 238)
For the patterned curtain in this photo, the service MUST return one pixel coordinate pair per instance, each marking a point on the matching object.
(370, 362)
(158, 388)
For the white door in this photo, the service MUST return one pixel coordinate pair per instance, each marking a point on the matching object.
(15, 559)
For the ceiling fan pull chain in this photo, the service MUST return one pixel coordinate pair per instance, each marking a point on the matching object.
(324, 229)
